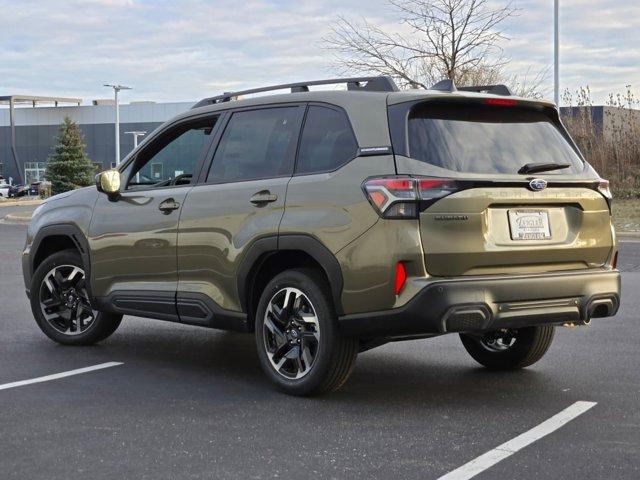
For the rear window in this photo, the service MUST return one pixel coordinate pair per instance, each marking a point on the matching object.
(487, 139)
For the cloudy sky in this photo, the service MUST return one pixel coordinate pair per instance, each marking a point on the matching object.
(188, 49)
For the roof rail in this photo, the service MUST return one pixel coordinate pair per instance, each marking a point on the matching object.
(368, 84)
(494, 89)
(447, 85)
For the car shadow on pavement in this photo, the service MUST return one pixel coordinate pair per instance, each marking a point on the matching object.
(385, 378)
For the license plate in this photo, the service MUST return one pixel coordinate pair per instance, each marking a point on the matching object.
(529, 224)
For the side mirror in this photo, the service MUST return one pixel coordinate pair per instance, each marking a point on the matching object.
(108, 182)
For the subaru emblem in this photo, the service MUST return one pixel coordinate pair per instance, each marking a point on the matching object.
(537, 184)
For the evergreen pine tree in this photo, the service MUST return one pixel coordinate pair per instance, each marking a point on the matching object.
(69, 167)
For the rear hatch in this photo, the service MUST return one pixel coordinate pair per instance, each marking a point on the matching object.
(501, 210)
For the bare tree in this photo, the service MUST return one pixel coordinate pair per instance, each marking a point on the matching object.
(529, 84)
(456, 39)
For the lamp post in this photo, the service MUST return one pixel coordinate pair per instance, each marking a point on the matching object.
(136, 134)
(116, 89)
(556, 53)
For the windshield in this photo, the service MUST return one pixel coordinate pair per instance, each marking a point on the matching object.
(487, 139)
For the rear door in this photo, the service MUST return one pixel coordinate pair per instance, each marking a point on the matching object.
(492, 219)
(240, 200)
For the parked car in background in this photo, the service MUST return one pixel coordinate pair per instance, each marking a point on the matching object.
(5, 188)
(34, 189)
(17, 191)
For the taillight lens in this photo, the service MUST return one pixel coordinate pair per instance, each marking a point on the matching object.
(435, 188)
(605, 190)
(402, 197)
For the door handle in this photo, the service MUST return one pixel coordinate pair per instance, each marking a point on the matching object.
(264, 196)
(168, 206)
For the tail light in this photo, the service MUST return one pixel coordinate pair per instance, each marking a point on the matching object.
(403, 197)
(603, 188)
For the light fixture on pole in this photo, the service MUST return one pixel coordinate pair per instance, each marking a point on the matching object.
(136, 134)
(556, 52)
(116, 89)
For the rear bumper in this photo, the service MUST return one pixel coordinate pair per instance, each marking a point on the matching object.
(492, 302)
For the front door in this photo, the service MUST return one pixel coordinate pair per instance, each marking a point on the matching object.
(241, 200)
(133, 237)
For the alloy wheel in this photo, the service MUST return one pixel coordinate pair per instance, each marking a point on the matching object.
(64, 300)
(291, 333)
(499, 341)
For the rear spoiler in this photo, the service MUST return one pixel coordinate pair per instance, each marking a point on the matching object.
(449, 86)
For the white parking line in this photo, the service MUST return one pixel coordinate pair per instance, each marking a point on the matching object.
(56, 376)
(487, 460)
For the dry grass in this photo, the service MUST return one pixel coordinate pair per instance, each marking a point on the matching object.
(626, 215)
(616, 154)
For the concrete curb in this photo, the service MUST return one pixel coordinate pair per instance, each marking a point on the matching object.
(21, 218)
(627, 234)
(26, 203)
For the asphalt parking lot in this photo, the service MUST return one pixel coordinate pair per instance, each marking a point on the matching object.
(186, 402)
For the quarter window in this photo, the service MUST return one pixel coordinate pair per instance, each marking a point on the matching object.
(256, 144)
(327, 141)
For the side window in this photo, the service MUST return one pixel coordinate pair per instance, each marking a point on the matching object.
(172, 158)
(256, 144)
(327, 141)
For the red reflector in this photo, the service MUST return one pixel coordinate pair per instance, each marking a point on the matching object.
(501, 101)
(401, 277)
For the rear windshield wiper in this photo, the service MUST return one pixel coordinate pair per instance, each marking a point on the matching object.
(542, 167)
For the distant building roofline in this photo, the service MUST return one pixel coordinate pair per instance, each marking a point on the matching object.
(35, 99)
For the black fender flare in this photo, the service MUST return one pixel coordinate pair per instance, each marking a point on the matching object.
(78, 238)
(259, 251)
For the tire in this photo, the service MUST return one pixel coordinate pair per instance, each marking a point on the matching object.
(64, 272)
(528, 345)
(300, 347)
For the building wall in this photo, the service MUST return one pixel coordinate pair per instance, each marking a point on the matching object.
(620, 122)
(609, 122)
(578, 113)
(37, 128)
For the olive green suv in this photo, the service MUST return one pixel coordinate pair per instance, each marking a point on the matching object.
(332, 222)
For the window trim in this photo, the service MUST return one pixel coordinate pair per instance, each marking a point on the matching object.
(126, 167)
(293, 150)
(339, 109)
